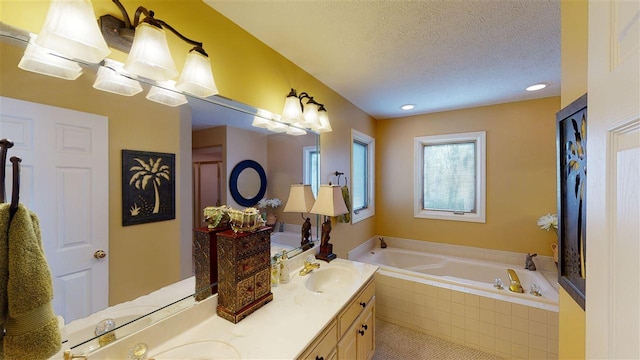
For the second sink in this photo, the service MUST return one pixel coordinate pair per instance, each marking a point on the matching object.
(330, 279)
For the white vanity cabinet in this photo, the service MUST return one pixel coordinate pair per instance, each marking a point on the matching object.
(351, 335)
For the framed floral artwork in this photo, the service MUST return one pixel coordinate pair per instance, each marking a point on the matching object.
(148, 187)
(571, 145)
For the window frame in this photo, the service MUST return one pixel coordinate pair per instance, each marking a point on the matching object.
(306, 168)
(370, 210)
(479, 137)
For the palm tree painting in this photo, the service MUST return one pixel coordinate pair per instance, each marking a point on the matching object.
(148, 187)
(571, 147)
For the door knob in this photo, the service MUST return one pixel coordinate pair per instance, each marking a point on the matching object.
(99, 254)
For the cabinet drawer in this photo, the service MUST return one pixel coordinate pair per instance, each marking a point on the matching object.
(351, 312)
(325, 345)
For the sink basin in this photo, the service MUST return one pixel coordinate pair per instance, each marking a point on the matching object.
(199, 350)
(330, 279)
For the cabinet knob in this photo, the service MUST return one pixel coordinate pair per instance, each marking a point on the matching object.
(363, 304)
(361, 332)
(319, 357)
(364, 327)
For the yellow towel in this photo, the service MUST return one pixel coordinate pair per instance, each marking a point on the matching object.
(31, 327)
(4, 268)
(346, 218)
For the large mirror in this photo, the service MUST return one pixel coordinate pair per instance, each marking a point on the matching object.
(214, 136)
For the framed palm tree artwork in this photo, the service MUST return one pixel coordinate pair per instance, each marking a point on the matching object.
(148, 187)
(571, 145)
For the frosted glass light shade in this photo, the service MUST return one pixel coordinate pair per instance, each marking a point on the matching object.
(277, 127)
(109, 79)
(167, 94)
(329, 201)
(262, 119)
(296, 131)
(310, 115)
(71, 29)
(300, 199)
(292, 112)
(150, 56)
(196, 77)
(325, 125)
(38, 60)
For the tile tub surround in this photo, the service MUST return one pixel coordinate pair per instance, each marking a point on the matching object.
(493, 324)
(497, 327)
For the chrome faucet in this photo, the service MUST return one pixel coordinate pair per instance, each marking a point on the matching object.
(515, 285)
(309, 265)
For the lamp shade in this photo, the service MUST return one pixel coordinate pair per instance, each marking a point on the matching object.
(262, 119)
(36, 59)
(166, 94)
(310, 116)
(330, 201)
(292, 111)
(110, 79)
(325, 125)
(196, 77)
(150, 56)
(295, 131)
(300, 199)
(277, 127)
(71, 30)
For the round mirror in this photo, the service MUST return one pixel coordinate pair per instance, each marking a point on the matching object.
(248, 183)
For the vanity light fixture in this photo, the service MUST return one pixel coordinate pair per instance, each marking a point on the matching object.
(329, 203)
(149, 54)
(38, 60)
(112, 78)
(301, 200)
(70, 29)
(311, 115)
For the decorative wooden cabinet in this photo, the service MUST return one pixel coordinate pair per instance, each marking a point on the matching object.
(205, 258)
(244, 268)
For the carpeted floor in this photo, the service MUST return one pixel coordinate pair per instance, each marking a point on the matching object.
(397, 343)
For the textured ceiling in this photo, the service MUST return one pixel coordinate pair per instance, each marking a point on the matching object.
(439, 54)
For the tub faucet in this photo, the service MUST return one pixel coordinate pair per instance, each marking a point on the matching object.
(515, 285)
(383, 244)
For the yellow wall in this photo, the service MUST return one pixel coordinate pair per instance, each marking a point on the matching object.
(245, 70)
(520, 176)
(574, 17)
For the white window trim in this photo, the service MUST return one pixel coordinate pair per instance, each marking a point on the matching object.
(480, 139)
(371, 150)
(306, 178)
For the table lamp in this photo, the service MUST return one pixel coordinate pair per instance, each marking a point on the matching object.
(301, 200)
(329, 203)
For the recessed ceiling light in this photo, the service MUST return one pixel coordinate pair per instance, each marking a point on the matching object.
(407, 107)
(536, 87)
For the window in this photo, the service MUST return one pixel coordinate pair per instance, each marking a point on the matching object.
(449, 182)
(362, 173)
(310, 166)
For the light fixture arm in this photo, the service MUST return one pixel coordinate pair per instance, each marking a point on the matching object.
(150, 19)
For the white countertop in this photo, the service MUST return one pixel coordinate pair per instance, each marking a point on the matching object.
(281, 329)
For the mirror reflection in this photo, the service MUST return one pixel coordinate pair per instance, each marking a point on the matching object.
(146, 270)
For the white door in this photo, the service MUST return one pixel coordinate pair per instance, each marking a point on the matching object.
(613, 181)
(64, 180)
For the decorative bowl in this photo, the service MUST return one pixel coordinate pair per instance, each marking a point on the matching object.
(247, 220)
(216, 216)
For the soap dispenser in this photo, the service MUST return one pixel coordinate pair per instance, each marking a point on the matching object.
(275, 271)
(284, 268)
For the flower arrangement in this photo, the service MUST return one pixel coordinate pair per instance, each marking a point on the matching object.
(549, 221)
(272, 203)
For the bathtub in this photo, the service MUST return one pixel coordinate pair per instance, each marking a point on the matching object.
(453, 298)
(465, 273)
